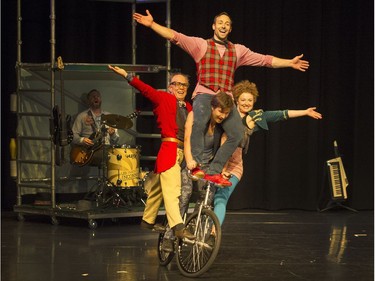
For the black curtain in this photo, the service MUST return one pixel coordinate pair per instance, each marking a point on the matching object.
(285, 166)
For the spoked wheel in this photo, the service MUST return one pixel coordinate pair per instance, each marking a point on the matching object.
(164, 257)
(195, 257)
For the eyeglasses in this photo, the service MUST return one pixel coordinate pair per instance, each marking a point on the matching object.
(179, 84)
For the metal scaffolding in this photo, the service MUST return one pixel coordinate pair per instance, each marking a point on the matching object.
(40, 87)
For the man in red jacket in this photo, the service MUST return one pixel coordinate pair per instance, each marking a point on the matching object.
(170, 110)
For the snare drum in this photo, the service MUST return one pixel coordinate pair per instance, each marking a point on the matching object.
(123, 165)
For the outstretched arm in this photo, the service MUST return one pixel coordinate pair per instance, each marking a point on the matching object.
(261, 118)
(296, 63)
(148, 21)
(146, 90)
(307, 112)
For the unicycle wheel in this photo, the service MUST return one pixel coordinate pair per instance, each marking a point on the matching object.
(195, 257)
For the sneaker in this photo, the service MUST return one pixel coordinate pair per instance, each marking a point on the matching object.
(167, 245)
(218, 180)
(197, 173)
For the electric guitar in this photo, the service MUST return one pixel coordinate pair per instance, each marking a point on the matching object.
(81, 155)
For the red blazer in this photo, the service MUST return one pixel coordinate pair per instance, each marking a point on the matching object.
(165, 110)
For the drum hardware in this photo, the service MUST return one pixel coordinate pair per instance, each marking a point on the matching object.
(120, 182)
(117, 121)
(104, 192)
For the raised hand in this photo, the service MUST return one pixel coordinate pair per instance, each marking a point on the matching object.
(299, 64)
(145, 20)
(313, 114)
(118, 70)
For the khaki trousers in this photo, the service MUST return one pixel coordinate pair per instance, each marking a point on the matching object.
(168, 188)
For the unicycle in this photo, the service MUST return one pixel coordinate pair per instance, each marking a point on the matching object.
(195, 257)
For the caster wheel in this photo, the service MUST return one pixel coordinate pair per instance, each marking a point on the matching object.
(20, 217)
(54, 221)
(93, 224)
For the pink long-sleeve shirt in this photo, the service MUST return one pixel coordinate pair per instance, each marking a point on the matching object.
(196, 47)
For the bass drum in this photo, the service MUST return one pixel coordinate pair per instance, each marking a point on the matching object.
(123, 165)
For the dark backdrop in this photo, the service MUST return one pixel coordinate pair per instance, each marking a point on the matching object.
(285, 165)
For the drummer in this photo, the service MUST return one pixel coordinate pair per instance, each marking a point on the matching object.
(87, 125)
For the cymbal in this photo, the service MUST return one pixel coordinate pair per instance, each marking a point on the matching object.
(117, 121)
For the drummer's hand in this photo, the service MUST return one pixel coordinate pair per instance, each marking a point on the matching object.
(110, 131)
(118, 70)
(88, 142)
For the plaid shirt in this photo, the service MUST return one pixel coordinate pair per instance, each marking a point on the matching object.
(215, 72)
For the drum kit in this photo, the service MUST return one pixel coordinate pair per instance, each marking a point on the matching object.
(121, 180)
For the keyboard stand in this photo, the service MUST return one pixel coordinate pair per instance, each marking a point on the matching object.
(331, 203)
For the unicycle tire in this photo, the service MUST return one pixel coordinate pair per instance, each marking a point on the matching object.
(195, 257)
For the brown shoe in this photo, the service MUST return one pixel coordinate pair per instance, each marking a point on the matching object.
(184, 233)
(146, 225)
(159, 228)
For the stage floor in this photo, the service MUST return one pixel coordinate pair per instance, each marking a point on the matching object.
(256, 245)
